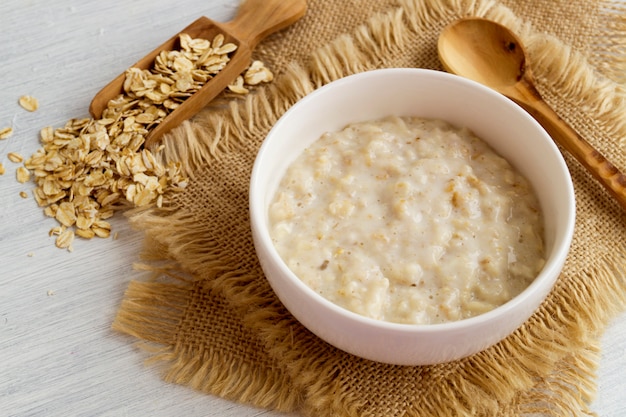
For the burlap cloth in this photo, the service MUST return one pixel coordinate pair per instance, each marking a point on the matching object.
(210, 319)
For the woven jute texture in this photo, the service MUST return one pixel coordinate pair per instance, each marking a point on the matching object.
(200, 303)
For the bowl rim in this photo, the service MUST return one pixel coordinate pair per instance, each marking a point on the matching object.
(546, 277)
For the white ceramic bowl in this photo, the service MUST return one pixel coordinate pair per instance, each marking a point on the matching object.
(425, 93)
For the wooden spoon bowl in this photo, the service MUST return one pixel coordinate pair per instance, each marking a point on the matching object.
(489, 53)
(255, 20)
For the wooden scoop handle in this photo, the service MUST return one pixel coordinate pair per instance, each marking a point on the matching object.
(257, 19)
(602, 170)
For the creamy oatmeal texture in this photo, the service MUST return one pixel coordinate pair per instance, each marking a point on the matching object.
(408, 220)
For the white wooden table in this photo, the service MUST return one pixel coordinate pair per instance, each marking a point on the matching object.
(58, 356)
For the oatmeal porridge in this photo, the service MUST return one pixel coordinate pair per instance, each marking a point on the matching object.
(408, 220)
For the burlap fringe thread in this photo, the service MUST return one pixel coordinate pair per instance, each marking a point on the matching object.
(549, 379)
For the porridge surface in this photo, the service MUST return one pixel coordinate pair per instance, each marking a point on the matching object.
(408, 220)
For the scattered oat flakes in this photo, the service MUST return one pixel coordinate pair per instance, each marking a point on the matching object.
(66, 214)
(6, 132)
(89, 169)
(257, 73)
(15, 157)
(237, 86)
(56, 230)
(23, 194)
(30, 254)
(85, 233)
(65, 240)
(29, 103)
(50, 293)
(101, 228)
(22, 175)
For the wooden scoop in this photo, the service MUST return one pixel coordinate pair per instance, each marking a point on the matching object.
(255, 20)
(487, 52)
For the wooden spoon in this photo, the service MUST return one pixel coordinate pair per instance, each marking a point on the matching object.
(487, 52)
(255, 20)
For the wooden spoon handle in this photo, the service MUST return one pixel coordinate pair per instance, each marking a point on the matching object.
(602, 169)
(257, 19)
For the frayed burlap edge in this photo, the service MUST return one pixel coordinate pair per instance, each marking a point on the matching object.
(609, 54)
(558, 383)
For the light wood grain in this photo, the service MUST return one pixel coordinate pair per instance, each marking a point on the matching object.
(58, 356)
